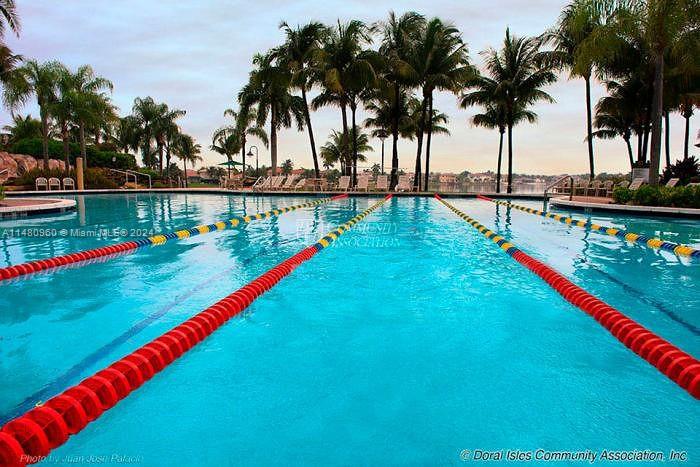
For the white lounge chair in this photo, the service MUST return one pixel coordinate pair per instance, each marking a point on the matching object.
(54, 182)
(68, 182)
(261, 184)
(605, 189)
(382, 182)
(636, 183)
(276, 182)
(289, 183)
(593, 188)
(344, 183)
(362, 183)
(404, 183)
(41, 181)
(301, 184)
(672, 182)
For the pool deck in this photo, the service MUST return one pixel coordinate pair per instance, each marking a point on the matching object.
(222, 191)
(12, 207)
(606, 205)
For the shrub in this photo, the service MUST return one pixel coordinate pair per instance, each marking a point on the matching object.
(685, 170)
(679, 197)
(95, 157)
(622, 195)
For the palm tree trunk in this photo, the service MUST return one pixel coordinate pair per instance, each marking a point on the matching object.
(273, 140)
(395, 139)
(307, 117)
(184, 169)
(629, 151)
(66, 144)
(656, 111)
(667, 137)
(167, 164)
(160, 158)
(353, 109)
(243, 143)
(427, 143)
(45, 138)
(639, 147)
(500, 153)
(346, 138)
(589, 126)
(686, 141)
(382, 156)
(645, 143)
(83, 152)
(510, 159)
(419, 140)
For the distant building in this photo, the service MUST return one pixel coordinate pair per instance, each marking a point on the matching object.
(481, 178)
(193, 176)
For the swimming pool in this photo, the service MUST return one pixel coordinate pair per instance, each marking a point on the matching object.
(410, 340)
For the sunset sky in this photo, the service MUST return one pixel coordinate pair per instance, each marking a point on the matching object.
(196, 56)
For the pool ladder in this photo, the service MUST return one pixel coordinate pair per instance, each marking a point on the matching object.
(556, 184)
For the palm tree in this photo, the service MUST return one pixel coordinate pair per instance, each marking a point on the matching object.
(687, 103)
(90, 105)
(494, 117)
(126, 135)
(397, 74)
(23, 128)
(8, 62)
(163, 124)
(39, 80)
(298, 54)
(333, 151)
(268, 88)
(619, 114)
(576, 23)
(441, 63)
(246, 124)
(146, 111)
(516, 78)
(186, 150)
(8, 12)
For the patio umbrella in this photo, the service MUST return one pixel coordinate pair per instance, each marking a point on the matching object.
(230, 164)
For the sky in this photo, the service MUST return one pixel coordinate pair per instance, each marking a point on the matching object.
(196, 55)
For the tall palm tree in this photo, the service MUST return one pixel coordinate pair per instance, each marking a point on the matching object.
(8, 62)
(186, 150)
(398, 34)
(576, 23)
(268, 88)
(687, 103)
(146, 111)
(246, 124)
(333, 151)
(39, 80)
(440, 60)
(163, 124)
(126, 134)
(298, 54)
(516, 78)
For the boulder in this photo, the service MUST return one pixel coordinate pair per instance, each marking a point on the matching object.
(8, 163)
(25, 163)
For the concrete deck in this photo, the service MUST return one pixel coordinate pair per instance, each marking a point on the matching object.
(591, 205)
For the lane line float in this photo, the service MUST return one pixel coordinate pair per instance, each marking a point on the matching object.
(30, 437)
(681, 367)
(652, 242)
(22, 269)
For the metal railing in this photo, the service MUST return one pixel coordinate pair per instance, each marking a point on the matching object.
(556, 184)
(135, 173)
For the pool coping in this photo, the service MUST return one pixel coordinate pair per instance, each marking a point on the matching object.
(52, 205)
(628, 209)
(222, 191)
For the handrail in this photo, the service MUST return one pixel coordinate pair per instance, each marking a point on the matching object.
(552, 185)
(125, 173)
(135, 173)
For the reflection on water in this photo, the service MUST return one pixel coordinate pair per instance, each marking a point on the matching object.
(490, 187)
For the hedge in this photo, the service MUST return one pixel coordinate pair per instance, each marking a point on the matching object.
(93, 177)
(95, 157)
(647, 195)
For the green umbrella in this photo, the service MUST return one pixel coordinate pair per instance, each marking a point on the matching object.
(231, 163)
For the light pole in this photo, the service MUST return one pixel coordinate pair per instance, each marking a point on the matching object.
(250, 154)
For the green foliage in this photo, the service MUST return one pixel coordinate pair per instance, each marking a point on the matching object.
(94, 178)
(686, 170)
(647, 195)
(96, 158)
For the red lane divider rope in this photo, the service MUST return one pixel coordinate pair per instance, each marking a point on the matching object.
(29, 438)
(31, 267)
(681, 367)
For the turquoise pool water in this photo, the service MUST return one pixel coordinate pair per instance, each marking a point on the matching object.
(410, 340)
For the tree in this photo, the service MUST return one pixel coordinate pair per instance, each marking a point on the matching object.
(287, 167)
(23, 128)
(164, 123)
(39, 80)
(126, 135)
(576, 23)
(186, 150)
(494, 117)
(8, 62)
(333, 151)
(441, 63)
(298, 54)
(246, 124)
(8, 14)
(618, 115)
(516, 78)
(268, 88)
(145, 111)
(397, 74)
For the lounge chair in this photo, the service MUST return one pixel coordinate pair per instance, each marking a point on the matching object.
(405, 183)
(382, 183)
(276, 183)
(672, 182)
(68, 182)
(623, 184)
(344, 183)
(261, 184)
(300, 185)
(41, 181)
(636, 183)
(54, 182)
(593, 188)
(605, 189)
(362, 183)
(289, 183)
